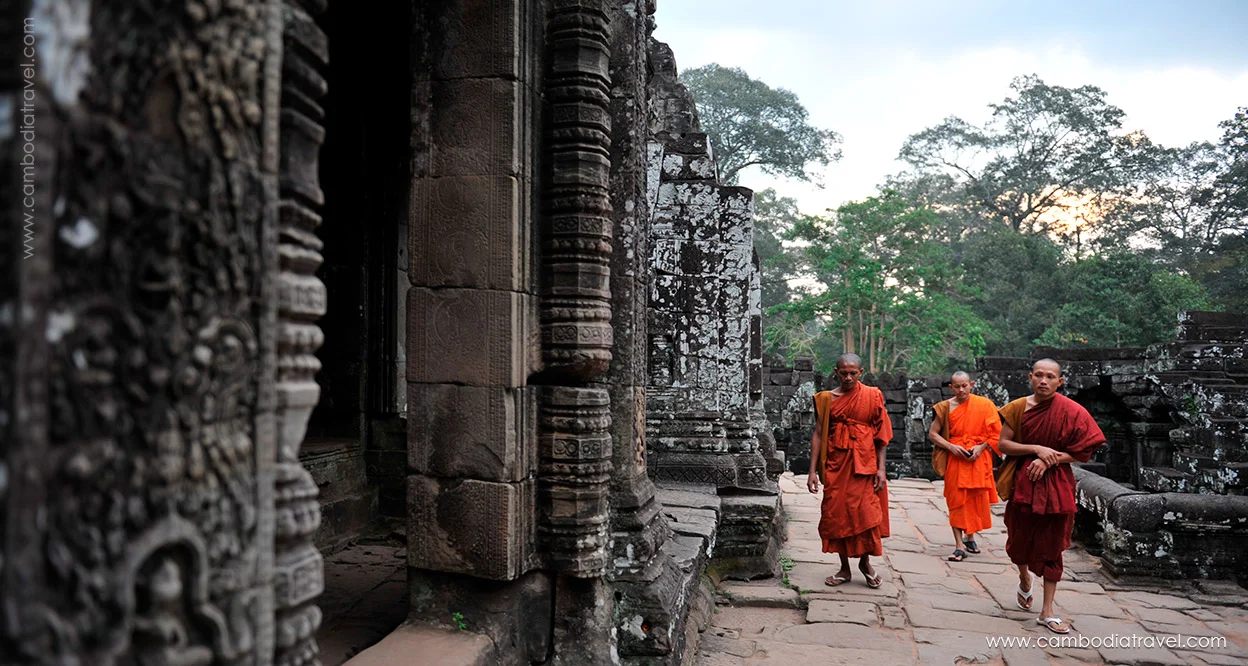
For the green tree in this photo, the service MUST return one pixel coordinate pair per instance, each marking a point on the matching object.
(752, 124)
(889, 291)
(1192, 210)
(774, 217)
(1016, 279)
(1116, 300)
(1041, 151)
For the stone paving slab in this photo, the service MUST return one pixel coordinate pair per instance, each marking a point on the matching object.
(931, 611)
(856, 612)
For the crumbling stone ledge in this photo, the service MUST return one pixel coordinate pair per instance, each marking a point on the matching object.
(1164, 535)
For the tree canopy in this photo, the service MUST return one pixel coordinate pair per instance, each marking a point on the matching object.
(752, 124)
(1048, 224)
(1041, 151)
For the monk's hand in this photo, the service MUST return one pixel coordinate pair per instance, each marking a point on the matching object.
(881, 479)
(974, 451)
(1049, 456)
(812, 483)
(1036, 469)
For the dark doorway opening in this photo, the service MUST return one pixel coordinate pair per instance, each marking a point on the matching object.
(356, 446)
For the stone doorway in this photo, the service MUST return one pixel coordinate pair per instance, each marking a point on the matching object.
(356, 444)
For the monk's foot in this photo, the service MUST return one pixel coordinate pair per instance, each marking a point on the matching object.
(873, 580)
(841, 577)
(1024, 596)
(957, 556)
(1054, 624)
(971, 546)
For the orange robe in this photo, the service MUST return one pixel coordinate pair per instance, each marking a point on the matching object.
(970, 488)
(854, 516)
(1041, 514)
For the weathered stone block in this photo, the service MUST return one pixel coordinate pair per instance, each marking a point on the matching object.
(687, 167)
(475, 127)
(520, 609)
(476, 38)
(485, 433)
(468, 231)
(471, 336)
(481, 528)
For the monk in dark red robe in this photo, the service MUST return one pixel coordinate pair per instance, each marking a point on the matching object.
(847, 455)
(1049, 431)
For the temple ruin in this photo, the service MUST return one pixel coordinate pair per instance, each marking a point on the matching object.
(499, 300)
(462, 269)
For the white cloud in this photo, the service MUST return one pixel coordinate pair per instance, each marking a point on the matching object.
(875, 98)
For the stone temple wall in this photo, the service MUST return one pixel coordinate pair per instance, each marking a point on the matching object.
(569, 366)
(704, 397)
(1166, 496)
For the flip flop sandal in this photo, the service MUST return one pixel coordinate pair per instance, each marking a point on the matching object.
(1025, 596)
(971, 547)
(873, 582)
(1048, 623)
(957, 556)
(833, 581)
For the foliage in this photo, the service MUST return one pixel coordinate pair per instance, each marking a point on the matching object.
(1048, 225)
(1116, 300)
(774, 216)
(752, 124)
(890, 293)
(1042, 150)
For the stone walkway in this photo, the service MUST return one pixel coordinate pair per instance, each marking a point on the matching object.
(365, 597)
(931, 611)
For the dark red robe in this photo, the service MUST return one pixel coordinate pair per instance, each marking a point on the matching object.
(1041, 514)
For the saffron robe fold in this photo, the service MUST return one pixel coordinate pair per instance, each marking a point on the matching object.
(970, 489)
(854, 516)
(1041, 514)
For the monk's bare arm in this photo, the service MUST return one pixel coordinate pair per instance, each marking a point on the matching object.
(933, 433)
(812, 481)
(881, 477)
(1047, 457)
(1008, 446)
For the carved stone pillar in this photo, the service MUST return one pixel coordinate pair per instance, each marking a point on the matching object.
(704, 408)
(139, 464)
(298, 575)
(576, 327)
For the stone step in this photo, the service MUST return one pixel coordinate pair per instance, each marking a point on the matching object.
(1227, 477)
(1191, 463)
(1165, 480)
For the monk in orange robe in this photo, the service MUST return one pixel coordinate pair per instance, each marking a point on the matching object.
(847, 455)
(1049, 431)
(964, 428)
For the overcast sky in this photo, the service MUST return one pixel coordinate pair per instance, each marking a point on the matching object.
(877, 71)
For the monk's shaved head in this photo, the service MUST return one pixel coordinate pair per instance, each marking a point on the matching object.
(849, 359)
(1049, 361)
(960, 375)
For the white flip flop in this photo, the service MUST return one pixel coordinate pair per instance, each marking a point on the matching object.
(1047, 622)
(1026, 597)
